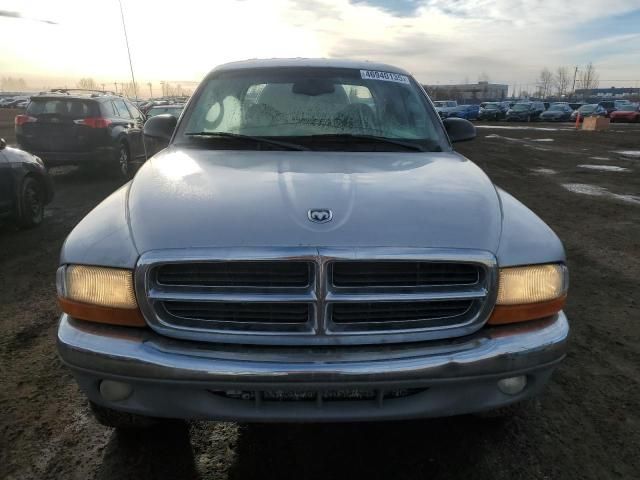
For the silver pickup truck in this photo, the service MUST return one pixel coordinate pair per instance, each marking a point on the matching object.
(307, 246)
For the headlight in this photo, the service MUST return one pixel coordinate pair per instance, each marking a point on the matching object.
(98, 294)
(529, 293)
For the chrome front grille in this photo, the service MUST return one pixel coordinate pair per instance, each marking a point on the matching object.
(309, 296)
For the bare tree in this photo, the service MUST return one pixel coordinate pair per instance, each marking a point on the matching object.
(88, 83)
(10, 83)
(545, 82)
(589, 78)
(483, 77)
(128, 89)
(561, 80)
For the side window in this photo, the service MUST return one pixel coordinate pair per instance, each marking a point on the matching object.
(121, 109)
(109, 109)
(135, 113)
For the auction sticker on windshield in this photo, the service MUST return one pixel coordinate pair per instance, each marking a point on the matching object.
(384, 76)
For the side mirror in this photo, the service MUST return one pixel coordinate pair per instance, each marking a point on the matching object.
(3, 143)
(158, 131)
(160, 127)
(459, 129)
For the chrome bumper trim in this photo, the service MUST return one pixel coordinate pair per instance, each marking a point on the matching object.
(121, 352)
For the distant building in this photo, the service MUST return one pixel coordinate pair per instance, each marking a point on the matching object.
(611, 92)
(468, 92)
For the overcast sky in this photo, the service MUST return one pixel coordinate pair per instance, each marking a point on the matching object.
(439, 41)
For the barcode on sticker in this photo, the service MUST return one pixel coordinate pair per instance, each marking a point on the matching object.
(384, 76)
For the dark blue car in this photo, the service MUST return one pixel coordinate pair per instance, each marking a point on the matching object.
(468, 112)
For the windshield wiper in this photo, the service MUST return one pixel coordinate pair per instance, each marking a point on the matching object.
(238, 136)
(373, 138)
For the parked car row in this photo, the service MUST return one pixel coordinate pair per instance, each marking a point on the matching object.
(617, 111)
(14, 102)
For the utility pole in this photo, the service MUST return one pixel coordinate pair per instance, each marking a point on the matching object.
(575, 75)
(150, 89)
(102, 86)
(116, 85)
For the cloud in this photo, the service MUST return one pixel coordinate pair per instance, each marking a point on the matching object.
(10, 14)
(441, 41)
(401, 8)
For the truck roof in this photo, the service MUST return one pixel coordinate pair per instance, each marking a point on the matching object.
(308, 62)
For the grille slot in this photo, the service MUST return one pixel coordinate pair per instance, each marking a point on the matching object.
(364, 274)
(264, 274)
(385, 312)
(240, 312)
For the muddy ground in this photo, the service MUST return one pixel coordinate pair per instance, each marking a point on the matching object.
(587, 424)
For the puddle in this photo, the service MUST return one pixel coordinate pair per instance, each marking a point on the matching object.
(542, 140)
(544, 171)
(596, 191)
(605, 168)
(629, 153)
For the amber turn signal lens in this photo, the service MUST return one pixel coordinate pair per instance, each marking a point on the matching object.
(99, 294)
(529, 293)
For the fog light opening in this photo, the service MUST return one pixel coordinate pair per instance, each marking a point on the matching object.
(113, 391)
(512, 385)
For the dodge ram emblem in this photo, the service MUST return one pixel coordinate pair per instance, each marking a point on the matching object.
(320, 215)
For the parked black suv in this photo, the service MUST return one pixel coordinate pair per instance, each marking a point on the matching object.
(608, 105)
(67, 127)
(525, 111)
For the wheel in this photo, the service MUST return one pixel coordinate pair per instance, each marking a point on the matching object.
(31, 206)
(124, 161)
(121, 420)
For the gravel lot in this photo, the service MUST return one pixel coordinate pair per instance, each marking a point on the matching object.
(587, 425)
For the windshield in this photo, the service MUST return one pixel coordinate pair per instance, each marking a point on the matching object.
(491, 106)
(521, 107)
(557, 108)
(627, 108)
(302, 103)
(587, 108)
(175, 111)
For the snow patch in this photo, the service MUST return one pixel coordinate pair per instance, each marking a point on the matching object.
(544, 171)
(596, 191)
(605, 168)
(542, 140)
(630, 153)
(602, 159)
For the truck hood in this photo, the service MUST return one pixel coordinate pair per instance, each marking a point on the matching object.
(193, 198)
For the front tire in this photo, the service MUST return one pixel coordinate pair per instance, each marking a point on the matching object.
(31, 203)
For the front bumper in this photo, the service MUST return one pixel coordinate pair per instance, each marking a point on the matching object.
(182, 379)
(58, 159)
